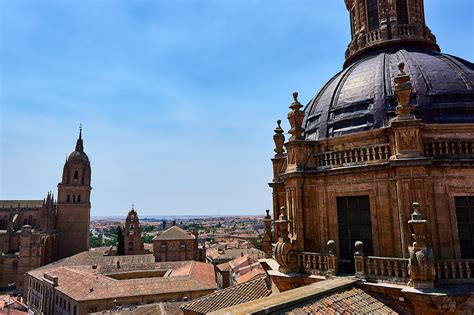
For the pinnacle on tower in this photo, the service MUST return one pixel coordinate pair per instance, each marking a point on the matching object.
(79, 143)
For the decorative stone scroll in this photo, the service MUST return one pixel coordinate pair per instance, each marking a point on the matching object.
(283, 251)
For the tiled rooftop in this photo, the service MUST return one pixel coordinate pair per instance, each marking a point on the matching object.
(349, 301)
(85, 276)
(231, 296)
(174, 233)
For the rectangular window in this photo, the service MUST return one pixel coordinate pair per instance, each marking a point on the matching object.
(402, 12)
(354, 222)
(465, 220)
(373, 14)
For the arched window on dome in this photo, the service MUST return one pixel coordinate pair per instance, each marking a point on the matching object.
(73, 198)
(373, 14)
(76, 175)
(402, 12)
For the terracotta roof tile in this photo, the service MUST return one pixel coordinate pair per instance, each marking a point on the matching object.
(174, 233)
(234, 295)
(351, 301)
(250, 275)
(89, 276)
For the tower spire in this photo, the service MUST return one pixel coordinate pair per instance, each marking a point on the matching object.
(79, 143)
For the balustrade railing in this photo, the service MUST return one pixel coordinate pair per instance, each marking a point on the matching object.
(317, 263)
(455, 271)
(313, 263)
(354, 156)
(406, 30)
(373, 36)
(386, 269)
(449, 149)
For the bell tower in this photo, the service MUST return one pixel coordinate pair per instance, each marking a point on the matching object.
(74, 203)
(379, 24)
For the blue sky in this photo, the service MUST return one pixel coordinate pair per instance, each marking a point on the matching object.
(178, 99)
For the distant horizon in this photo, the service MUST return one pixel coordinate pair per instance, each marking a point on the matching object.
(177, 216)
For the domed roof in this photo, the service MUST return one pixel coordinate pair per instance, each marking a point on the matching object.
(78, 156)
(361, 97)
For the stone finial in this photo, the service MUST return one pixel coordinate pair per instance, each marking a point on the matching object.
(331, 244)
(295, 117)
(279, 140)
(267, 216)
(403, 92)
(359, 245)
(283, 224)
(418, 224)
(267, 239)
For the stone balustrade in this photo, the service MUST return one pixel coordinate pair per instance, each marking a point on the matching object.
(449, 149)
(373, 37)
(354, 156)
(317, 263)
(383, 269)
(405, 30)
(387, 269)
(455, 271)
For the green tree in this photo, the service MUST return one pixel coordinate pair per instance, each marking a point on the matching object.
(95, 241)
(147, 238)
(120, 241)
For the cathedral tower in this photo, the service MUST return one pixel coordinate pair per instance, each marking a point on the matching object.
(74, 203)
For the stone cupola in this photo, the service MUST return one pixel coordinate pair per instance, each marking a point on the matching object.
(387, 23)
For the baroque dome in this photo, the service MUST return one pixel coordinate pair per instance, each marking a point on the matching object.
(361, 97)
(78, 156)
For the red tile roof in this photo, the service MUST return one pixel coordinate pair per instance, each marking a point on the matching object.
(351, 301)
(174, 233)
(234, 295)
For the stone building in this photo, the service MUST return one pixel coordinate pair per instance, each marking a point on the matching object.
(132, 235)
(175, 244)
(36, 232)
(93, 282)
(382, 156)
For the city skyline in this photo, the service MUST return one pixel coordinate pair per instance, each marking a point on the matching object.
(177, 99)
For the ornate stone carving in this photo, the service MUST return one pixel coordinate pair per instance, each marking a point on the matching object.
(295, 117)
(267, 239)
(279, 140)
(284, 252)
(421, 266)
(403, 92)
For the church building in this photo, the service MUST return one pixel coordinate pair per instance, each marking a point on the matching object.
(34, 233)
(377, 177)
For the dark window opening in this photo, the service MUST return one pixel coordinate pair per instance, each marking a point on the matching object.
(68, 198)
(78, 198)
(76, 174)
(353, 215)
(373, 14)
(73, 198)
(465, 220)
(402, 12)
(352, 17)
